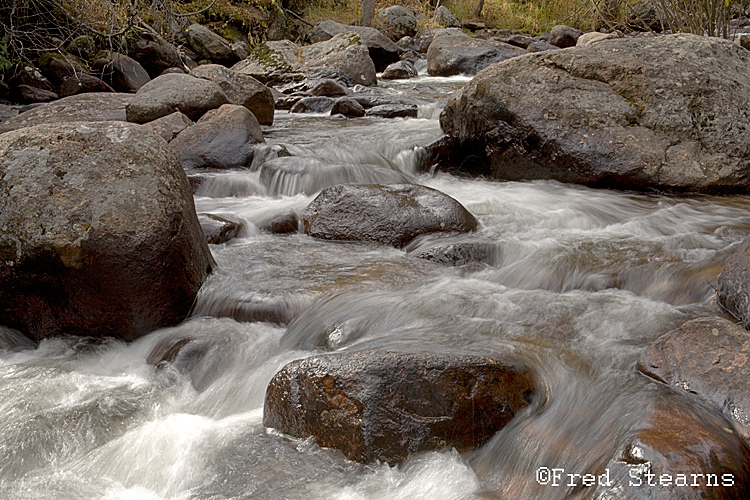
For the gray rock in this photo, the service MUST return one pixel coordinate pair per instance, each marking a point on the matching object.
(708, 357)
(520, 41)
(619, 113)
(209, 45)
(398, 22)
(320, 104)
(382, 50)
(240, 89)
(218, 230)
(563, 36)
(169, 126)
(27, 94)
(348, 107)
(13, 340)
(733, 292)
(385, 406)
(224, 138)
(594, 37)
(272, 63)
(393, 111)
(28, 75)
(123, 73)
(82, 83)
(328, 88)
(174, 92)
(342, 57)
(445, 17)
(424, 39)
(77, 108)
(460, 253)
(389, 214)
(452, 55)
(151, 50)
(541, 47)
(401, 70)
(100, 236)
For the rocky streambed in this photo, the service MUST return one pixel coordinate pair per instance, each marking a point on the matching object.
(368, 326)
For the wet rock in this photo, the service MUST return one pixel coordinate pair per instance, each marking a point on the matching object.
(155, 54)
(27, 94)
(398, 22)
(389, 214)
(424, 39)
(272, 63)
(452, 55)
(393, 111)
(169, 126)
(563, 36)
(399, 71)
(169, 93)
(59, 67)
(287, 102)
(285, 223)
(77, 108)
(619, 114)
(209, 45)
(459, 254)
(733, 293)
(313, 105)
(707, 356)
(100, 236)
(240, 89)
(348, 107)
(445, 17)
(218, 230)
(83, 83)
(683, 449)
(328, 88)
(381, 49)
(13, 340)
(252, 307)
(386, 406)
(342, 57)
(123, 73)
(224, 138)
(368, 101)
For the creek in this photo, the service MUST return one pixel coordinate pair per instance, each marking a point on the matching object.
(579, 283)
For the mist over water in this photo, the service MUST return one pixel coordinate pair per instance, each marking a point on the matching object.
(580, 282)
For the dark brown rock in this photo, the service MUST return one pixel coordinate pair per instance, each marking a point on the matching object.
(243, 90)
(217, 229)
(391, 214)
(123, 73)
(27, 94)
(460, 254)
(13, 340)
(328, 88)
(224, 138)
(82, 83)
(399, 71)
(100, 236)
(169, 126)
(398, 22)
(386, 406)
(154, 53)
(313, 105)
(58, 67)
(733, 293)
(678, 438)
(707, 356)
(174, 92)
(348, 107)
(285, 223)
(619, 113)
(77, 108)
(209, 45)
(563, 36)
(393, 111)
(452, 55)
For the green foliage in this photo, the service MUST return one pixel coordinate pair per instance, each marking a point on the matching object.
(5, 63)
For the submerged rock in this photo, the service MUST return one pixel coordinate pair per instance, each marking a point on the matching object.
(386, 406)
(394, 111)
(706, 356)
(217, 229)
(391, 214)
(619, 113)
(13, 340)
(100, 236)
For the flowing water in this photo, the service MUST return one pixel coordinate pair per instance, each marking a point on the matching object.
(578, 283)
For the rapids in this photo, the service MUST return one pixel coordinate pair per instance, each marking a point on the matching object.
(580, 283)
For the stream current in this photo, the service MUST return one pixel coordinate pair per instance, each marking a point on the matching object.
(580, 281)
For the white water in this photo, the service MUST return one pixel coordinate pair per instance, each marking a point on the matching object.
(583, 281)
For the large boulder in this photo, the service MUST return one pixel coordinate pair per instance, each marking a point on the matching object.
(175, 92)
(342, 57)
(639, 113)
(272, 63)
(707, 356)
(453, 55)
(563, 36)
(123, 73)
(391, 214)
(224, 138)
(425, 38)
(100, 235)
(385, 406)
(399, 71)
(444, 17)
(383, 51)
(398, 22)
(153, 52)
(682, 449)
(76, 108)
(209, 45)
(57, 67)
(240, 89)
(733, 292)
